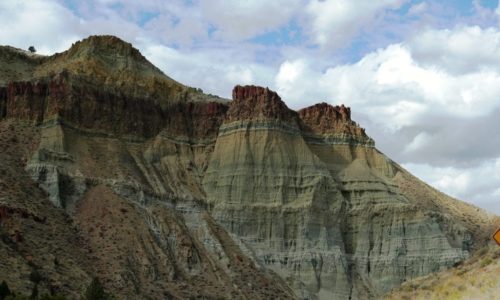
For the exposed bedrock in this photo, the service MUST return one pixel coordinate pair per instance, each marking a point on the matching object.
(319, 208)
(178, 194)
(316, 201)
(68, 100)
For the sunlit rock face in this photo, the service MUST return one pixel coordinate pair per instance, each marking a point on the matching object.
(265, 186)
(165, 192)
(316, 201)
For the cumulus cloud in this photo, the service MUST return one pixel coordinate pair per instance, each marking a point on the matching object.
(47, 25)
(392, 85)
(209, 69)
(183, 31)
(417, 9)
(187, 22)
(420, 140)
(459, 51)
(335, 22)
(240, 20)
(431, 107)
(479, 184)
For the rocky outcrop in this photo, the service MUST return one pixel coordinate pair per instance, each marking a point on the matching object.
(68, 99)
(178, 250)
(326, 124)
(326, 214)
(197, 120)
(171, 193)
(253, 102)
(324, 118)
(266, 187)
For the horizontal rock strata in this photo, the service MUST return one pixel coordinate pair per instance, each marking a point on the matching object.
(112, 169)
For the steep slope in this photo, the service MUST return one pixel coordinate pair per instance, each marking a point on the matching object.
(319, 204)
(476, 278)
(17, 64)
(115, 170)
(265, 186)
(389, 236)
(36, 237)
(124, 172)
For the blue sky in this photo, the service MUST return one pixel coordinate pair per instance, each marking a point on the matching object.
(422, 76)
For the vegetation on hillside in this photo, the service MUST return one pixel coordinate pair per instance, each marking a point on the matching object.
(475, 278)
(95, 291)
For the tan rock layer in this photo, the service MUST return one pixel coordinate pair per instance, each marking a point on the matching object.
(135, 159)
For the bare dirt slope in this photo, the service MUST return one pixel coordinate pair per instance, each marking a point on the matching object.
(36, 237)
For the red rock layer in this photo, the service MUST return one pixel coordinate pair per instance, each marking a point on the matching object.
(24, 100)
(82, 105)
(89, 107)
(112, 111)
(324, 118)
(251, 102)
(326, 111)
(199, 120)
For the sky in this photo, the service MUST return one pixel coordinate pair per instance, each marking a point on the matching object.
(423, 77)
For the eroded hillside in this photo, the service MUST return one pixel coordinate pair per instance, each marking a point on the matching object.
(114, 170)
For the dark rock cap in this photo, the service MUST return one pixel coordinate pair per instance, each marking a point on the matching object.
(323, 118)
(256, 102)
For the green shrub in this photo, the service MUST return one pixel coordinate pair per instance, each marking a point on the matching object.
(95, 291)
(486, 262)
(4, 290)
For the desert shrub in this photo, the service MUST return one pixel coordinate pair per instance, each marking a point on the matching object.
(495, 254)
(4, 290)
(482, 251)
(35, 276)
(462, 272)
(486, 262)
(95, 291)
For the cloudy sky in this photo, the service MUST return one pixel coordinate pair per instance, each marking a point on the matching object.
(422, 76)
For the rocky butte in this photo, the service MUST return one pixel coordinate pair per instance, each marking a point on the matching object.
(109, 168)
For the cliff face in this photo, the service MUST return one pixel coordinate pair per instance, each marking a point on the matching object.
(163, 191)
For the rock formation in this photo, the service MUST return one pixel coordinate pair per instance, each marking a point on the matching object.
(113, 169)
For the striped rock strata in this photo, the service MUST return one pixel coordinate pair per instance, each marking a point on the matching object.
(317, 203)
(164, 192)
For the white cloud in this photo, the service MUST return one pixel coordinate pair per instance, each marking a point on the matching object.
(460, 50)
(295, 78)
(442, 120)
(48, 26)
(417, 9)
(422, 139)
(477, 184)
(183, 30)
(215, 71)
(240, 20)
(391, 84)
(335, 22)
